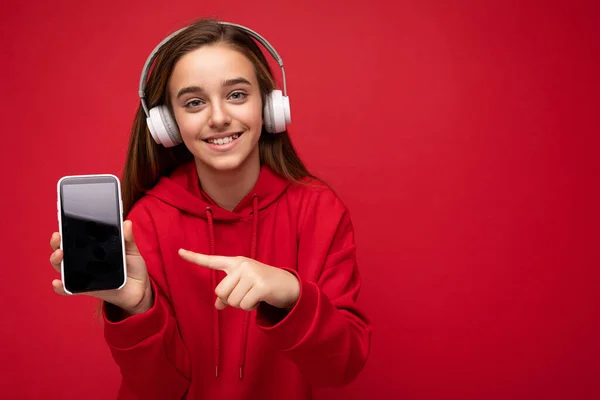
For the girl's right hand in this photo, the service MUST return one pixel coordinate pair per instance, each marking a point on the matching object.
(136, 296)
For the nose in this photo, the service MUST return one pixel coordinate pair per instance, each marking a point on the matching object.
(219, 117)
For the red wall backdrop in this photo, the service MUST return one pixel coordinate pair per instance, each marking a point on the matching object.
(463, 136)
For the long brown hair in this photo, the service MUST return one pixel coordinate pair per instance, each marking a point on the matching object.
(147, 161)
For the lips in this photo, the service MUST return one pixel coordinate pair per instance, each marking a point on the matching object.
(227, 137)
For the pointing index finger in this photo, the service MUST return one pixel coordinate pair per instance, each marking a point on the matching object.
(213, 262)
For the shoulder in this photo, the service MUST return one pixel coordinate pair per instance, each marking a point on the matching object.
(317, 204)
(322, 216)
(315, 190)
(147, 208)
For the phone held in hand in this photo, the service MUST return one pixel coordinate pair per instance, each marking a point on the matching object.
(90, 220)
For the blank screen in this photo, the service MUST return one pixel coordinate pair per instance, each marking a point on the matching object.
(91, 234)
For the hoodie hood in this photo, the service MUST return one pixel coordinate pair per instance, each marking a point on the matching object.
(182, 190)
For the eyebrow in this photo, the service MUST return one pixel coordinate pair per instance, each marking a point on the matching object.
(228, 82)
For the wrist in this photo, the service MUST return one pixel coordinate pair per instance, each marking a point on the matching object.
(145, 304)
(295, 292)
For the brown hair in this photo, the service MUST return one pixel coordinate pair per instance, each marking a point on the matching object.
(147, 161)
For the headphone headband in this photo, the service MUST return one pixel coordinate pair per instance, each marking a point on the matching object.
(250, 32)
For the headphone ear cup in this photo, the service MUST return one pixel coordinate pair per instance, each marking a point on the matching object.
(277, 112)
(268, 114)
(163, 127)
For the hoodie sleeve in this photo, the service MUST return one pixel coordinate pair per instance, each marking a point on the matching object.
(148, 347)
(325, 334)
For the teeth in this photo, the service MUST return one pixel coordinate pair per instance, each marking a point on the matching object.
(226, 140)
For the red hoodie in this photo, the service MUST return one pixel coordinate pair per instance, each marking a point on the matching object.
(183, 347)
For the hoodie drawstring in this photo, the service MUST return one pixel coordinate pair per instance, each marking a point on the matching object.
(252, 256)
(253, 245)
(213, 274)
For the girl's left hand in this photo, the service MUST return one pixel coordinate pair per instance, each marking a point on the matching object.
(248, 282)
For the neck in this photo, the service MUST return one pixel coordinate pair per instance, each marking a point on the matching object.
(228, 188)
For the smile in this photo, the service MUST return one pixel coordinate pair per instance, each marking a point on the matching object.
(225, 140)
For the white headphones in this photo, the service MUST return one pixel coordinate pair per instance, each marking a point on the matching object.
(162, 125)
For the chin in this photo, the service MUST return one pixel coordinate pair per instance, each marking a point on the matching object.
(226, 164)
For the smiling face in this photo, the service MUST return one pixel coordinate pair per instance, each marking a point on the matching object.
(216, 101)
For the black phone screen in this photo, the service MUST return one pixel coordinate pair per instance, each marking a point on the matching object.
(91, 233)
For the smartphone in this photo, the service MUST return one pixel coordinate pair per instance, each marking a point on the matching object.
(90, 220)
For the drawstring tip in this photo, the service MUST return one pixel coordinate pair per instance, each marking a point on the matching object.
(216, 371)
(241, 372)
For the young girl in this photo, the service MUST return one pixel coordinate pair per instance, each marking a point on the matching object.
(242, 277)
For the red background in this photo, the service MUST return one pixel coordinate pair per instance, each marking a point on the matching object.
(462, 135)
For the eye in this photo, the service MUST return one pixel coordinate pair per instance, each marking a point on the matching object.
(238, 95)
(193, 103)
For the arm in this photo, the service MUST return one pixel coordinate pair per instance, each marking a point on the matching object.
(148, 347)
(325, 334)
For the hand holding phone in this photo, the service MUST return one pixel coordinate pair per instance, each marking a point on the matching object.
(94, 251)
(135, 297)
